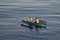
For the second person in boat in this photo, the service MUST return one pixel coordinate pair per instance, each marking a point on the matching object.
(37, 21)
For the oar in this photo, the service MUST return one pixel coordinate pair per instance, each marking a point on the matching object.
(43, 22)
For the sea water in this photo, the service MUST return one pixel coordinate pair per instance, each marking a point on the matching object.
(13, 11)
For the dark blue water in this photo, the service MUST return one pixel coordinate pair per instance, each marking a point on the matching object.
(13, 11)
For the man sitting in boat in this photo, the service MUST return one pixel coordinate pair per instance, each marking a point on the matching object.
(30, 19)
(37, 21)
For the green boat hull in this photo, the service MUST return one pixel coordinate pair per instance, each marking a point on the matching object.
(33, 24)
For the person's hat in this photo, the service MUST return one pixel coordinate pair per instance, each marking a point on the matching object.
(36, 17)
(30, 16)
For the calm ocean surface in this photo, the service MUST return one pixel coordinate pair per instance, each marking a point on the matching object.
(13, 11)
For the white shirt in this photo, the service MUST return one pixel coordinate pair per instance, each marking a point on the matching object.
(29, 19)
